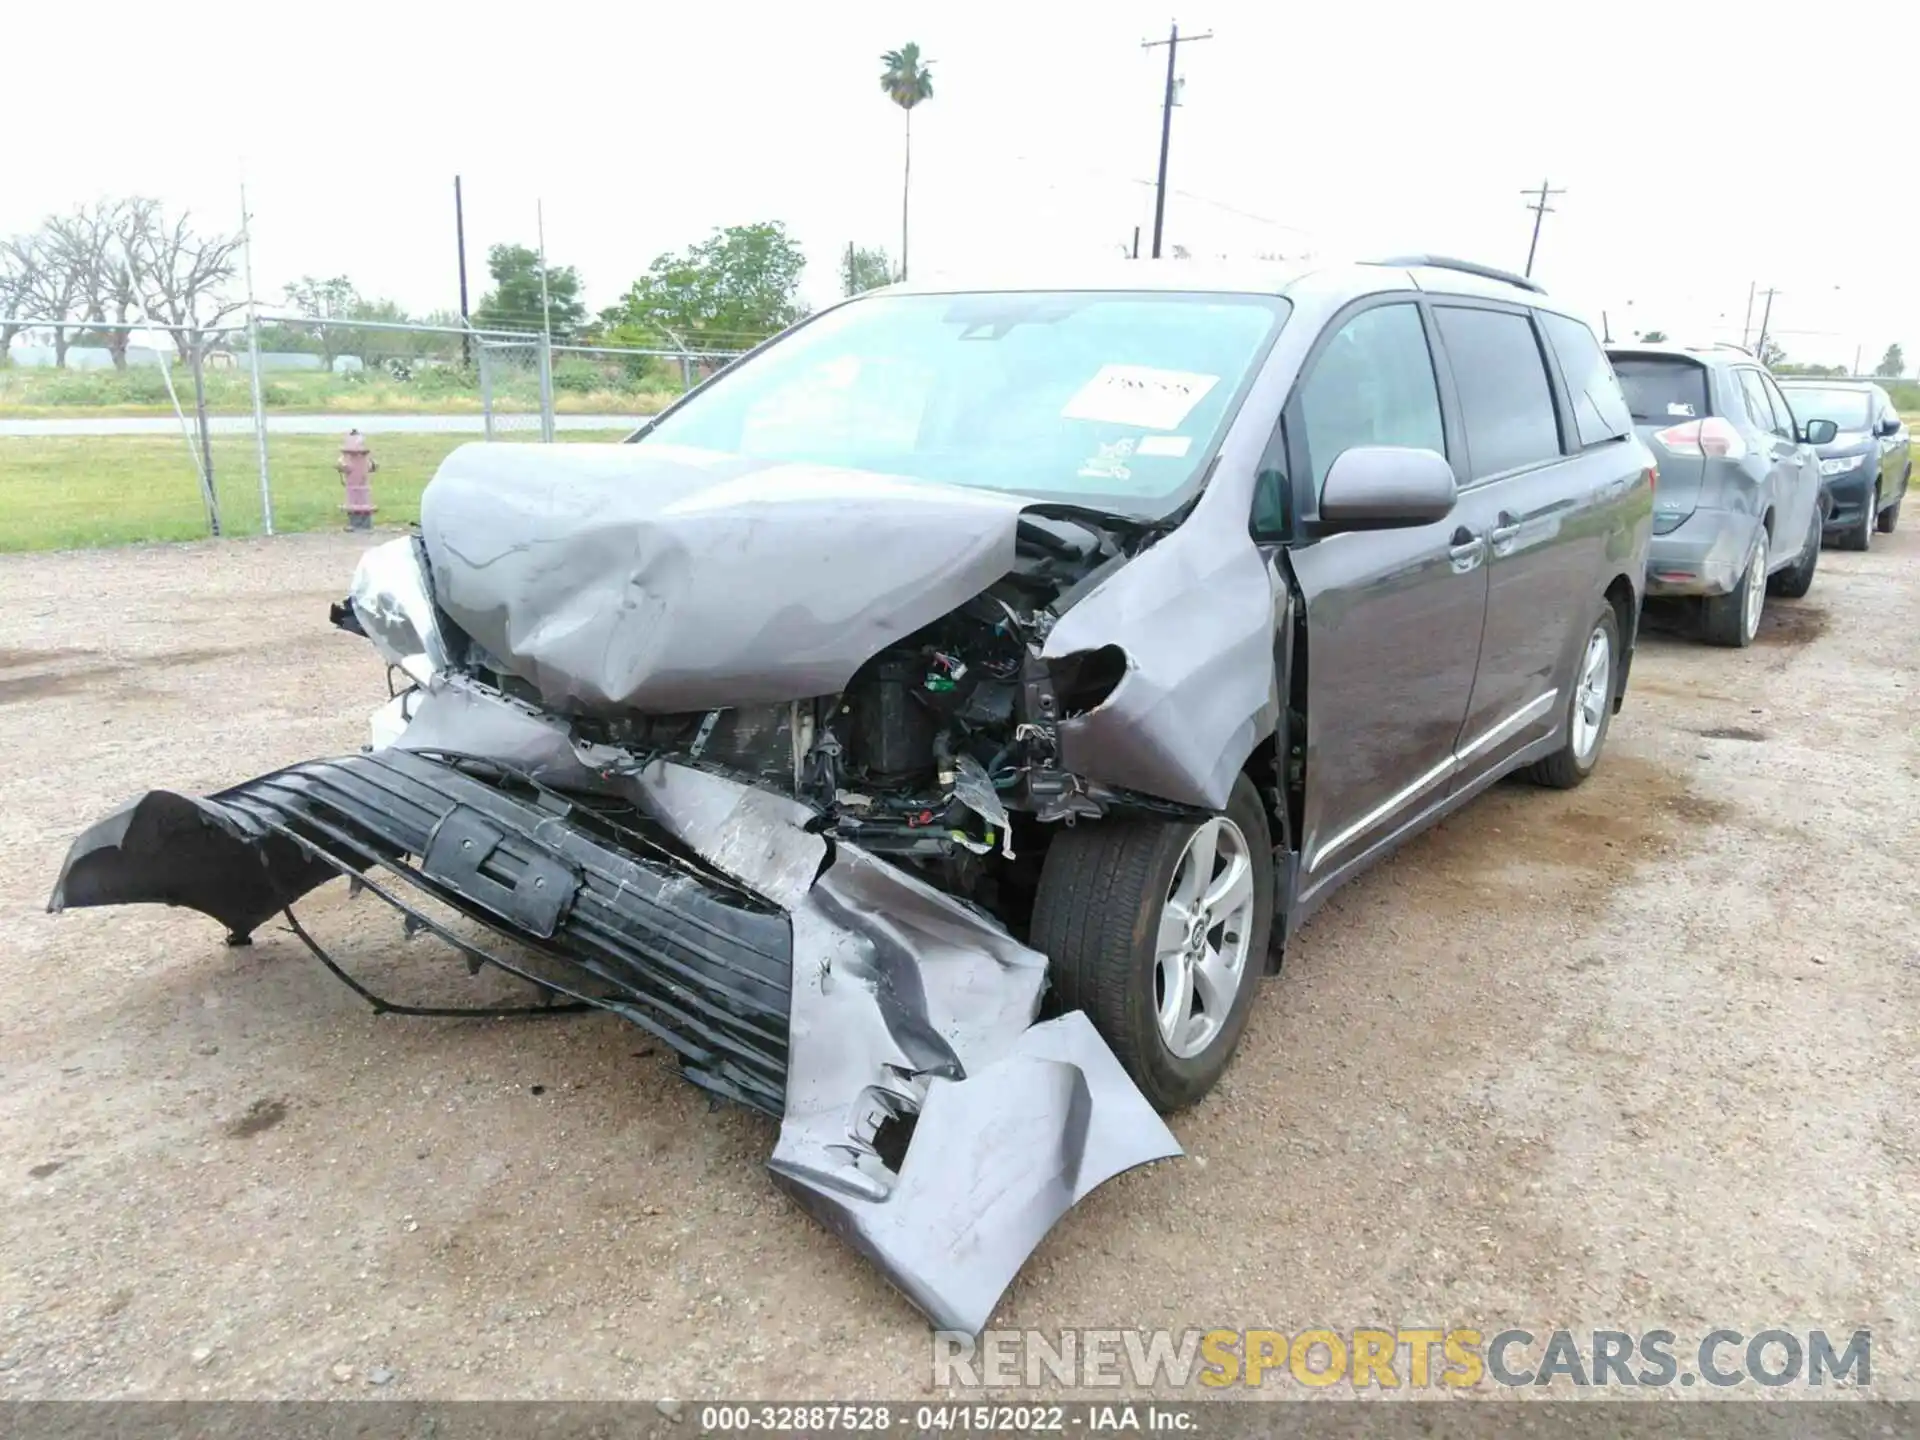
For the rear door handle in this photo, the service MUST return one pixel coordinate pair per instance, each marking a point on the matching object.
(1501, 534)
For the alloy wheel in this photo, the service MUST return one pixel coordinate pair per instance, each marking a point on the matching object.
(1593, 690)
(1756, 596)
(1206, 927)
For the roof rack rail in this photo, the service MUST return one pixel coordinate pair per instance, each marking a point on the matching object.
(1465, 267)
(1729, 345)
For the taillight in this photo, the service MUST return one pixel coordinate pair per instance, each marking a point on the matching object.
(1711, 436)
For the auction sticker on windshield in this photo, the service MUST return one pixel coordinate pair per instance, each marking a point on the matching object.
(1139, 395)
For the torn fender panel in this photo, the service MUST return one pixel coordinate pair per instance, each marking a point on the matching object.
(1195, 616)
(911, 1006)
(660, 578)
(996, 1160)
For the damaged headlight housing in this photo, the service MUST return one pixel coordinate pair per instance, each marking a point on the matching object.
(392, 598)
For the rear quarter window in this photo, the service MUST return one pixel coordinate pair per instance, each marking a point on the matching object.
(1662, 390)
(1599, 409)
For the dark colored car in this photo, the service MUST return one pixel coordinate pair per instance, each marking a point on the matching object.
(1866, 465)
(1739, 506)
(960, 648)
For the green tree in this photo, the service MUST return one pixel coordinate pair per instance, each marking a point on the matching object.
(864, 269)
(1892, 365)
(1771, 353)
(730, 291)
(906, 82)
(515, 302)
(1653, 337)
(330, 299)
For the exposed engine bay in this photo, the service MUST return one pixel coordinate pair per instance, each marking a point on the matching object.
(941, 748)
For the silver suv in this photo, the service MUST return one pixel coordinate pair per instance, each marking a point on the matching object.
(1738, 507)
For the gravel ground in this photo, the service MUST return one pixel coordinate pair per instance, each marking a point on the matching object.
(1641, 1054)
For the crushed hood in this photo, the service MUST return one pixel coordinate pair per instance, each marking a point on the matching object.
(661, 578)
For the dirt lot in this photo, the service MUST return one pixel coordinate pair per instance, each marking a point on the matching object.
(1642, 1054)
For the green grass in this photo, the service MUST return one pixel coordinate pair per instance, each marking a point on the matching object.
(581, 387)
(62, 493)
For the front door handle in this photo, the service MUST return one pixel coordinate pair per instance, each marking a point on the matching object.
(1465, 552)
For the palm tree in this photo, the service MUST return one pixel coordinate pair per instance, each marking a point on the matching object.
(907, 82)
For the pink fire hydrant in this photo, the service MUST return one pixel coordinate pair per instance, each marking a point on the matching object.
(357, 467)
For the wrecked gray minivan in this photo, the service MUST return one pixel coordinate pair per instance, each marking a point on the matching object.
(932, 725)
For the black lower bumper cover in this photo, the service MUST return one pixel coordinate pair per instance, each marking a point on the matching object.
(877, 1014)
(704, 969)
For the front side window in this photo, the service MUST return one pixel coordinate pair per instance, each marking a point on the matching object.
(1115, 400)
(1599, 409)
(1506, 400)
(1372, 385)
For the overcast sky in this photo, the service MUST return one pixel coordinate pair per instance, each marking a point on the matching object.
(1702, 146)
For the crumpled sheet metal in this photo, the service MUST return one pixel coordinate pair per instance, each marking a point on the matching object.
(654, 577)
(1194, 615)
(905, 1001)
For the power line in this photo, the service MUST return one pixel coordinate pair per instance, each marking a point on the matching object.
(1172, 42)
(1540, 210)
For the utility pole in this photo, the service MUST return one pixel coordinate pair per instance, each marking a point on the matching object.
(546, 328)
(460, 240)
(1766, 314)
(253, 367)
(1540, 210)
(1746, 325)
(1172, 42)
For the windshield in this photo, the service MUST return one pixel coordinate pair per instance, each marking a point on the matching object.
(1847, 409)
(1661, 390)
(1113, 400)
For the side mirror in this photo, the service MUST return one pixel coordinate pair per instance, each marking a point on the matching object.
(1819, 432)
(1888, 426)
(1383, 487)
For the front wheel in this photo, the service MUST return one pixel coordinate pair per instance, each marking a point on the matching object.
(1589, 709)
(1859, 535)
(1890, 516)
(1158, 929)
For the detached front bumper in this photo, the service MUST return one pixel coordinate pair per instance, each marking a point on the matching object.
(1704, 556)
(924, 1117)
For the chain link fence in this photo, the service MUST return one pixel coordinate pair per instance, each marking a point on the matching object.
(113, 433)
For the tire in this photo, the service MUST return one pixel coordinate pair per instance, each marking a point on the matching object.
(1859, 536)
(1589, 707)
(1733, 619)
(1794, 582)
(1106, 890)
(1890, 517)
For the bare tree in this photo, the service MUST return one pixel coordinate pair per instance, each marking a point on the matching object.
(49, 290)
(91, 244)
(19, 286)
(180, 275)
